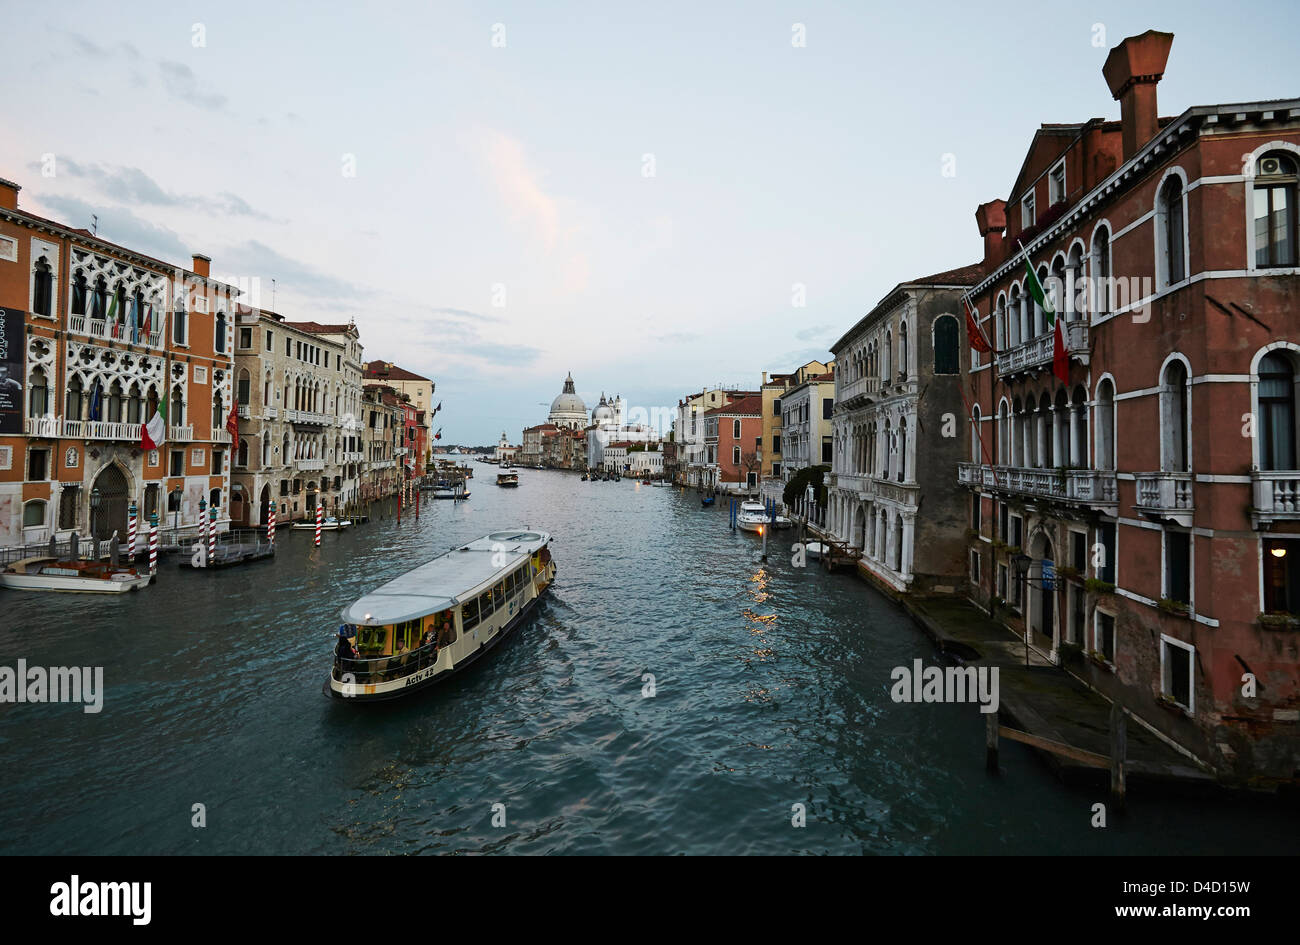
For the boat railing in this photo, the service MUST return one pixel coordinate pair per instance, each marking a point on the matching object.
(368, 671)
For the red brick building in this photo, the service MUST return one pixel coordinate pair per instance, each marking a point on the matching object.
(733, 441)
(93, 335)
(1152, 499)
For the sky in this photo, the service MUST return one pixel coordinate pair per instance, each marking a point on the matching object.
(658, 197)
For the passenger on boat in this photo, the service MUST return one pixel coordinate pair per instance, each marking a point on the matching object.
(347, 649)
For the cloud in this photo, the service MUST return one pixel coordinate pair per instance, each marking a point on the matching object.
(132, 185)
(816, 331)
(180, 80)
(521, 189)
(255, 259)
(678, 337)
(121, 226)
(465, 313)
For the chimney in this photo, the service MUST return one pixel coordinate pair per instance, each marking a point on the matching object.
(991, 218)
(202, 265)
(1132, 70)
(9, 194)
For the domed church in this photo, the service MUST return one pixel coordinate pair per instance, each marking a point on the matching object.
(567, 410)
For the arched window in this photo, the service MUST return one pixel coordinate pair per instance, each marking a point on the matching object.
(218, 413)
(1101, 271)
(885, 365)
(176, 407)
(221, 332)
(1040, 317)
(903, 363)
(214, 499)
(80, 293)
(38, 397)
(1000, 324)
(242, 459)
(34, 514)
(1175, 414)
(114, 414)
(1013, 317)
(99, 299)
(43, 288)
(946, 360)
(72, 409)
(133, 404)
(1275, 210)
(1004, 434)
(1169, 222)
(975, 435)
(902, 450)
(1277, 417)
(1105, 425)
(1074, 282)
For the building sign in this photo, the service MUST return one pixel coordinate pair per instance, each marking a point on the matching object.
(12, 346)
(1049, 575)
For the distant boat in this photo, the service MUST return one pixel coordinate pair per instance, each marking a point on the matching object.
(329, 524)
(754, 517)
(507, 479)
(706, 500)
(449, 492)
(72, 574)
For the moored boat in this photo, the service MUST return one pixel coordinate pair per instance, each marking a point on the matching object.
(754, 516)
(75, 575)
(449, 492)
(435, 620)
(507, 479)
(707, 500)
(328, 524)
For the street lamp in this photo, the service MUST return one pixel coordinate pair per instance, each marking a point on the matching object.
(95, 499)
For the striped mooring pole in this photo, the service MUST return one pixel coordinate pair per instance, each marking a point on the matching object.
(320, 517)
(212, 536)
(203, 526)
(270, 524)
(130, 530)
(153, 543)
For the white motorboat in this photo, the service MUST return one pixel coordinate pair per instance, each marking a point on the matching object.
(329, 524)
(435, 620)
(75, 575)
(753, 516)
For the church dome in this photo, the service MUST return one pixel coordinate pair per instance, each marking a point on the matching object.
(603, 413)
(568, 408)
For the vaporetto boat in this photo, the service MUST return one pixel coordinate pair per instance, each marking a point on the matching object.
(441, 617)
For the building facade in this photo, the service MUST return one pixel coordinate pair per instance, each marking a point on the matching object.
(94, 336)
(733, 436)
(417, 387)
(806, 432)
(1135, 504)
(883, 469)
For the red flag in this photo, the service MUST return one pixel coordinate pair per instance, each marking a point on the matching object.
(232, 425)
(1060, 360)
(978, 340)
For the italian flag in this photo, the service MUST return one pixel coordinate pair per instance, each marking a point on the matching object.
(154, 432)
(1060, 360)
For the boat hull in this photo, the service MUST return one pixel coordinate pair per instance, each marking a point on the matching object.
(428, 678)
(71, 585)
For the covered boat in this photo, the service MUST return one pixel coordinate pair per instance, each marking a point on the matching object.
(435, 620)
(72, 574)
(507, 479)
(328, 524)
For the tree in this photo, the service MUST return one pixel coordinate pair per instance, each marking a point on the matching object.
(797, 487)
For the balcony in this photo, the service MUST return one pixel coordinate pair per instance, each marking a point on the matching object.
(1037, 352)
(352, 457)
(245, 412)
(54, 427)
(310, 465)
(1165, 496)
(1094, 488)
(383, 464)
(310, 417)
(221, 435)
(858, 393)
(1277, 496)
(180, 434)
(113, 331)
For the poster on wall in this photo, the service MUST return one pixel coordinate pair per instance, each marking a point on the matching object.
(12, 346)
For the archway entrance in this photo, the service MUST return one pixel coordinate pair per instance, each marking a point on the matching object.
(264, 515)
(1041, 611)
(238, 506)
(108, 509)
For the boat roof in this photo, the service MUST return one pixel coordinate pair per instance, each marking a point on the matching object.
(447, 579)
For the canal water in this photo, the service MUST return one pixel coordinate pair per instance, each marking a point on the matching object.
(771, 690)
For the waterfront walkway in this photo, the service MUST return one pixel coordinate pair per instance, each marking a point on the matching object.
(1045, 700)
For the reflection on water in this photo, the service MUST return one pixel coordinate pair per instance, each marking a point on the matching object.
(771, 688)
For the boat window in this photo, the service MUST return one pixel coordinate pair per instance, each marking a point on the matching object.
(521, 576)
(444, 625)
(509, 582)
(406, 636)
(498, 594)
(371, 640)
(469, 614)
(485, 607)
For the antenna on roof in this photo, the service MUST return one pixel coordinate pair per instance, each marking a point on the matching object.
(273, 295)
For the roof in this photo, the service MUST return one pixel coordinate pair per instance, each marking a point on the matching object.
(961, 276)
(446, 580)
(316, 328)
(390, 371)
(751, 404)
